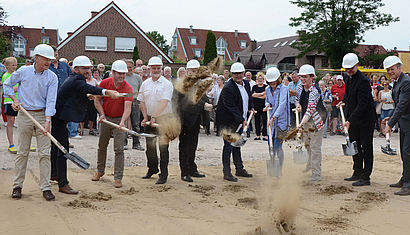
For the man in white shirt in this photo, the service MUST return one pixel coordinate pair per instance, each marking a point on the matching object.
(155, 102)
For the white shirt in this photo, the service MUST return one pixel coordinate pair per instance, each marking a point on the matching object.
(151, 93)
(245, 99)
(216, 91)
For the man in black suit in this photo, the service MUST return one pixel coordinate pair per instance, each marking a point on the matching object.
(401, 114)
(71, 106)
(190, 115)
(360, 119)
(234, 103)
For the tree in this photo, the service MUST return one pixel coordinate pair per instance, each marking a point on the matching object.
(159, 40)
(210, 47)
(5, 47)
(335, 27)
(3, 15)
(135, 54)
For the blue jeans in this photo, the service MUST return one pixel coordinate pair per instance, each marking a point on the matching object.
(386, 113)
(277, 148)
(72, 129)
(226, 157)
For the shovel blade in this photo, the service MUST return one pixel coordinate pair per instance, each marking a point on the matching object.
(350, 148)
(273, 167)
(240, 142)
(300, 157)
(79, 161)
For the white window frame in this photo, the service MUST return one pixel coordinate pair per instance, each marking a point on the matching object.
(242, 44)
(293, 41)
(192, 40)
(93, 46)
(220, 47)
(283, 44)
(19, 46)
(120, 41)
(31, 52)
(277, 44)
(45, 39)
(197, 50)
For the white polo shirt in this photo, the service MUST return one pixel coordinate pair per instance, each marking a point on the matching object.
(245, 98)
(151, 93)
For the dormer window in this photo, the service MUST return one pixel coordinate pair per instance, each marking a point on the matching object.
(242, 44)
(192, 40)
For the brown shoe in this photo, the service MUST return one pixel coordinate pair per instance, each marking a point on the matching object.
(48, 195)
(117, 183)
(97, 176)
(67, 190)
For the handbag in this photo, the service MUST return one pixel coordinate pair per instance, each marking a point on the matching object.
(280, 134)
(379, 108)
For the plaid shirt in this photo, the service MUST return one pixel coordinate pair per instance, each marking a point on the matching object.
(311, 110)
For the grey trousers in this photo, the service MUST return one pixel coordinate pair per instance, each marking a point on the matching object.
(119, 136)
(313, 144)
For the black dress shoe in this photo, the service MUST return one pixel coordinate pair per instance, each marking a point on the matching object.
(161, 180)
(197, 175)
(397, 185)
(187, 178)
(352, 178)
(138, 147)
(149, 174)
(243, 173)
(230, 177)
(48, 195)
(248, 135)
(16, 193)
(361, 182)
(405, 191)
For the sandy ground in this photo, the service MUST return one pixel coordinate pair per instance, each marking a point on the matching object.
(209, 205)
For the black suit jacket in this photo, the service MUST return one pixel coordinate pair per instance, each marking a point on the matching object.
(229, 113)
(71, 104)
(188, 112)
(359, 111)
(401, 98)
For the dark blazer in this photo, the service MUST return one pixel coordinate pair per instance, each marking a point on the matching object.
(229, 113)
(401, 98)
(188, 112)
(72, 98)
(359, 111)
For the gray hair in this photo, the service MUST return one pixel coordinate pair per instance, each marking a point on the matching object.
(128, 61)
(167, 68)
(321, 82)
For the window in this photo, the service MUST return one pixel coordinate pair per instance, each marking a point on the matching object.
(192, 40)
(259, 47)
(95, 43)
(242, 43)
(174, 41)
(45, 40)
(31, 52)
(283, 44)
(19, 46)
(235, 55)
(197, 52)
(220, 46)
(277, 44)
(292, 42)
(124, 44)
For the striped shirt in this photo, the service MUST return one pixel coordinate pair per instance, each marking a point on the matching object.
(311, 110)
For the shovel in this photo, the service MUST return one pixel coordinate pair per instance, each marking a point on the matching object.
(300, 156)
(80, 162)
(243, 139)
(350, 148)
(90, 96)
(134, 133)
(272, 164)
(387, 149)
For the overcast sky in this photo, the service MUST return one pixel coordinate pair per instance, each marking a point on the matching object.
(262, 19)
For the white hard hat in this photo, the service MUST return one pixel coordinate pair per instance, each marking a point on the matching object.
(350, 60)
(272, 74)
(237, 68)
(155, 60)
(306, 69)
(119, 66)
(45, 51)
(192, 64)
(81, 61)
(390, 61)
(339, 77)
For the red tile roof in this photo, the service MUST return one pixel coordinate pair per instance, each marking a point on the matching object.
(365, 50)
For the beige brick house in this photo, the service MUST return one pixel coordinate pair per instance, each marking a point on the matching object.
(109, 35)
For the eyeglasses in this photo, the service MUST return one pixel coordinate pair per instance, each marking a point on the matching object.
(385, 84)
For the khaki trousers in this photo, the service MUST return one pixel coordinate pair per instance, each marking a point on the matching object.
(313, 144)
(119, 141)
(25, 131)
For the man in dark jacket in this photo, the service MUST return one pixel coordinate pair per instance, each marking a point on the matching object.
(360, 119)
(401, 115)
(71, 106)
(234, 103)
(190, 115)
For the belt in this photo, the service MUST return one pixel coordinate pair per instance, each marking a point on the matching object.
(36, 110)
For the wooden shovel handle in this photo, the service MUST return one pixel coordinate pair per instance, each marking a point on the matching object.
(269, 128)
(343, 119)
(149, 123)
(248, 121)
(117, 126)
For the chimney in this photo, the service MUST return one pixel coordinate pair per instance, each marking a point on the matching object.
(236, 33)
(253, 45)
(69, 34)
(191, 30)
(94, 13)
(43, 30)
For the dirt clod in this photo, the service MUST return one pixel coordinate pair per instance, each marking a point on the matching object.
(234, 188)
(100, 196)
(230, 136)
(161, 188)
(249, 201)
(368, 197)
(81, 204)
(333, 223)
(130, 191)
(203, 189)
(333, 190)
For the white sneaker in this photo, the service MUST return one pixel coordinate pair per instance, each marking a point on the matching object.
(77, 137)
(15, 125)
(5, 124)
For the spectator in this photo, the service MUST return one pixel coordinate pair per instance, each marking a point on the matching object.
(385, 97)
(292, 96)
(338, 91)
(96, 76)
(2, 71)
(145, 72)
(226, 75)
(103, 74)
(214, 94)
(248, 76)
(258, 94)
(61, 69)
(327, 102)
(167, 73)
(181, 73)
(91, 111)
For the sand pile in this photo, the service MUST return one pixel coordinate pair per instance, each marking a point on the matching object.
(230, 136)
